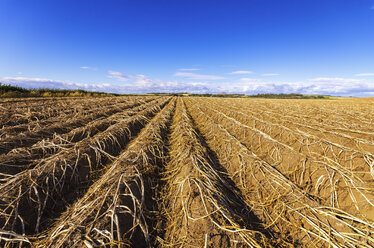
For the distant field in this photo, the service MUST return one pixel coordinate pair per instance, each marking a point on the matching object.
(166, 171)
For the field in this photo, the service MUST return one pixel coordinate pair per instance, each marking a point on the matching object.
(161, 171)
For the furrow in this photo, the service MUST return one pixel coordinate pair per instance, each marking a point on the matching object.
(202, 207)
(287, 209)
(45, 111)
(32, 198)
(32, 136)
(119, 209)
(326, 178)
(23, 158)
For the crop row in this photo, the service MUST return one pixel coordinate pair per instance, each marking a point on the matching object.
(55, 108)
(305, 158)
(291, 211)
(28, 202)
(26, 157)
(118, 209)
(27, 135)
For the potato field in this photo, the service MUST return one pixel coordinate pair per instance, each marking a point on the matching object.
(157, 171)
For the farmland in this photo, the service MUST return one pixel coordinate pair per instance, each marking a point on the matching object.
(165, 171)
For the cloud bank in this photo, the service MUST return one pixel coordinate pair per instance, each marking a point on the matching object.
(143, 84)
(34, 83)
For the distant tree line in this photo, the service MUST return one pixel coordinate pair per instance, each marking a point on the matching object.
(195, 94)
(7, 90)
(267, 95)
(289, 96)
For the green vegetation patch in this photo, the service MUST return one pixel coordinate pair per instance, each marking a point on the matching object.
(7, 90)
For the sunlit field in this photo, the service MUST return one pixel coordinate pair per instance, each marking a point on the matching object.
(160, 171)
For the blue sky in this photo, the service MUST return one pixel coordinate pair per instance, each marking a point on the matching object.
(236, 46)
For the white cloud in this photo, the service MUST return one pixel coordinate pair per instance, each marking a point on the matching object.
(196, 76)
(241, 72)
(118, 75)
(53, 84)
(335, 80)
(88, 68)
(124, 77)
(137, 84)
(364, 74)
(340, 86)
(270, 74)
(189, 69)
(326, 86)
